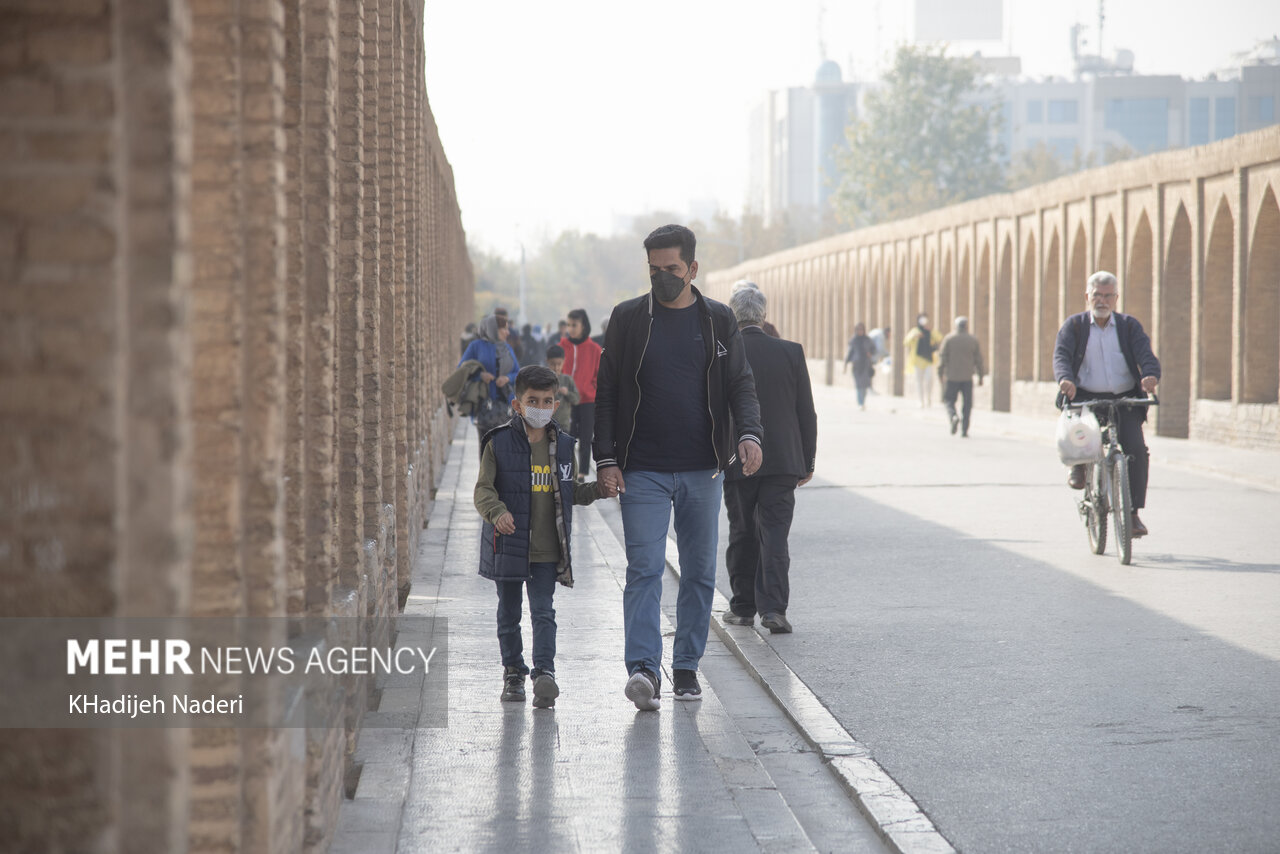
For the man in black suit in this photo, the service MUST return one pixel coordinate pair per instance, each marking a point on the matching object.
(760, 507)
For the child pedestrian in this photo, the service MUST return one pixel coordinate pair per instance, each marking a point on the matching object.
(525, 493)
(567, 396)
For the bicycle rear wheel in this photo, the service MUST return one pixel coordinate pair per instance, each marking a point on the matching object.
(1095, 509)
(1121, 512)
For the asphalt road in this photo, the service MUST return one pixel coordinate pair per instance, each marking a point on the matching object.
(1029, 695)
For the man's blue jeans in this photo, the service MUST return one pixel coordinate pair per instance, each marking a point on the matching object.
(542, 589)
(646, 515)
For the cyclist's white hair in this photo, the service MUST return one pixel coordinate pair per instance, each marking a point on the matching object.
(748, 305)
(1102, 277)
(962, 322)
(744, 283)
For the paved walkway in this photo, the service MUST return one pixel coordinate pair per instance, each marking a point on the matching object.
(733, 772)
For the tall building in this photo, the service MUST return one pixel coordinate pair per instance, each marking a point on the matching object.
(794, 136)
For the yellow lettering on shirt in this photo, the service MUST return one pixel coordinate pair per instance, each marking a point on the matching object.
(542, 478)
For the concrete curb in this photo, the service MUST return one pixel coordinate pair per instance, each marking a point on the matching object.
(896, 816)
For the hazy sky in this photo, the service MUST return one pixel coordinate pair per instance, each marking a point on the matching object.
(567, 113)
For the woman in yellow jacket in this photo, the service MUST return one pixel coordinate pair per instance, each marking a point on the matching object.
(921, 345)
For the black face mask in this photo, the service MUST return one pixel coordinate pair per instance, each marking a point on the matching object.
(666, 286)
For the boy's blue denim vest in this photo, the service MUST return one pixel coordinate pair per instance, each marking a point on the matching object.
(506, 557)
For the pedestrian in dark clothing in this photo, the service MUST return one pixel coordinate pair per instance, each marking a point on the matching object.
(760, 507)
(862, 358)
(959, 358)
(675, 401)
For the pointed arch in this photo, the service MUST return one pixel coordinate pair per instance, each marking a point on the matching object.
(1216, 306)
(1001, 344)
(945, 288)
(1025, 329)
(964, 287)
(1107, 248)
(1138, 279)
(1077, 271)
(1050, 317)
(1261, 315)
(1174, 339)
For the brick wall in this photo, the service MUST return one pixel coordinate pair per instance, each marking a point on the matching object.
(234, 269)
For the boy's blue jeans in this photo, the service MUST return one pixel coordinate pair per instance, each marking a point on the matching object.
(542, 588)
(646, 515)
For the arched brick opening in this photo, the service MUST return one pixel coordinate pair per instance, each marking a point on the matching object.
(1262, 307)
(1137, 283)
(981, 322)
(1172, 416)
(1077, 272)
(915, 300)
(945, 289)
(929, 298)
(1049, 319)
(1215, 307)
(1107, 249)
(901, 319)
(1026, 326)
(1002, 331)
(964, 288)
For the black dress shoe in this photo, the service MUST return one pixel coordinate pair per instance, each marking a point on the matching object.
(732, 619)
(776, 624)
(1139, 529)
(1076, 479)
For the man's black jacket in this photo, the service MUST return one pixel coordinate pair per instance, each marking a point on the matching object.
(731, 390)
(786, 406)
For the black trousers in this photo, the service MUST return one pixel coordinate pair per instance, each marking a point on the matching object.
(949, 395)
(760, 511)
(1132, 442)
(583, 427)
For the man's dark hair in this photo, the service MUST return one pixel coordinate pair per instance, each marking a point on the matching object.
(668, 236)
(580, 315)
(555, 351)
(536, 377)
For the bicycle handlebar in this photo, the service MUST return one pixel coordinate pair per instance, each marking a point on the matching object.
(1150, 400)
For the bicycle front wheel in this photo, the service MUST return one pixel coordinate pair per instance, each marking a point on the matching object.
(1095, 509)
(1121, 509)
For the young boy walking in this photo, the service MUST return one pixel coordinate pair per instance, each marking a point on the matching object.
(525, 493)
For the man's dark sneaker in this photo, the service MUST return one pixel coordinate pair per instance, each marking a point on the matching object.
(1075, 480)
(776, 624)
(1139, 529)
(642, 689)
(684, 685)
(545, 690)
(955, 424)
(512, 684)
(732, 619)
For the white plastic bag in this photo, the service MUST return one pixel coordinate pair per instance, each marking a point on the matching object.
(1079, 437)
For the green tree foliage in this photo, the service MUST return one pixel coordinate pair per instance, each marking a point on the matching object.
(927, 140)
(1038, 164)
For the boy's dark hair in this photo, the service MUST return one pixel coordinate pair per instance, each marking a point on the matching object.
(536, 377)
(555, 351)
(672, 235)
(580, 315)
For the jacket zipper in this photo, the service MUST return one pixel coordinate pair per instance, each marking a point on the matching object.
(648, 334)
(711, 329)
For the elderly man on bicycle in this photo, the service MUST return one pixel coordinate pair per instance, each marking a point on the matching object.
(1101, 354)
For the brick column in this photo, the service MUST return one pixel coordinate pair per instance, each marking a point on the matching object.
(350, 302)
(388, 225)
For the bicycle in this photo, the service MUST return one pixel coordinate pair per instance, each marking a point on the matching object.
(1106, 483)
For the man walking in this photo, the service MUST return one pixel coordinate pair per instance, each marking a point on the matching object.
(760, 507)
(1101, 354)
(959, 358)
(675, 400)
